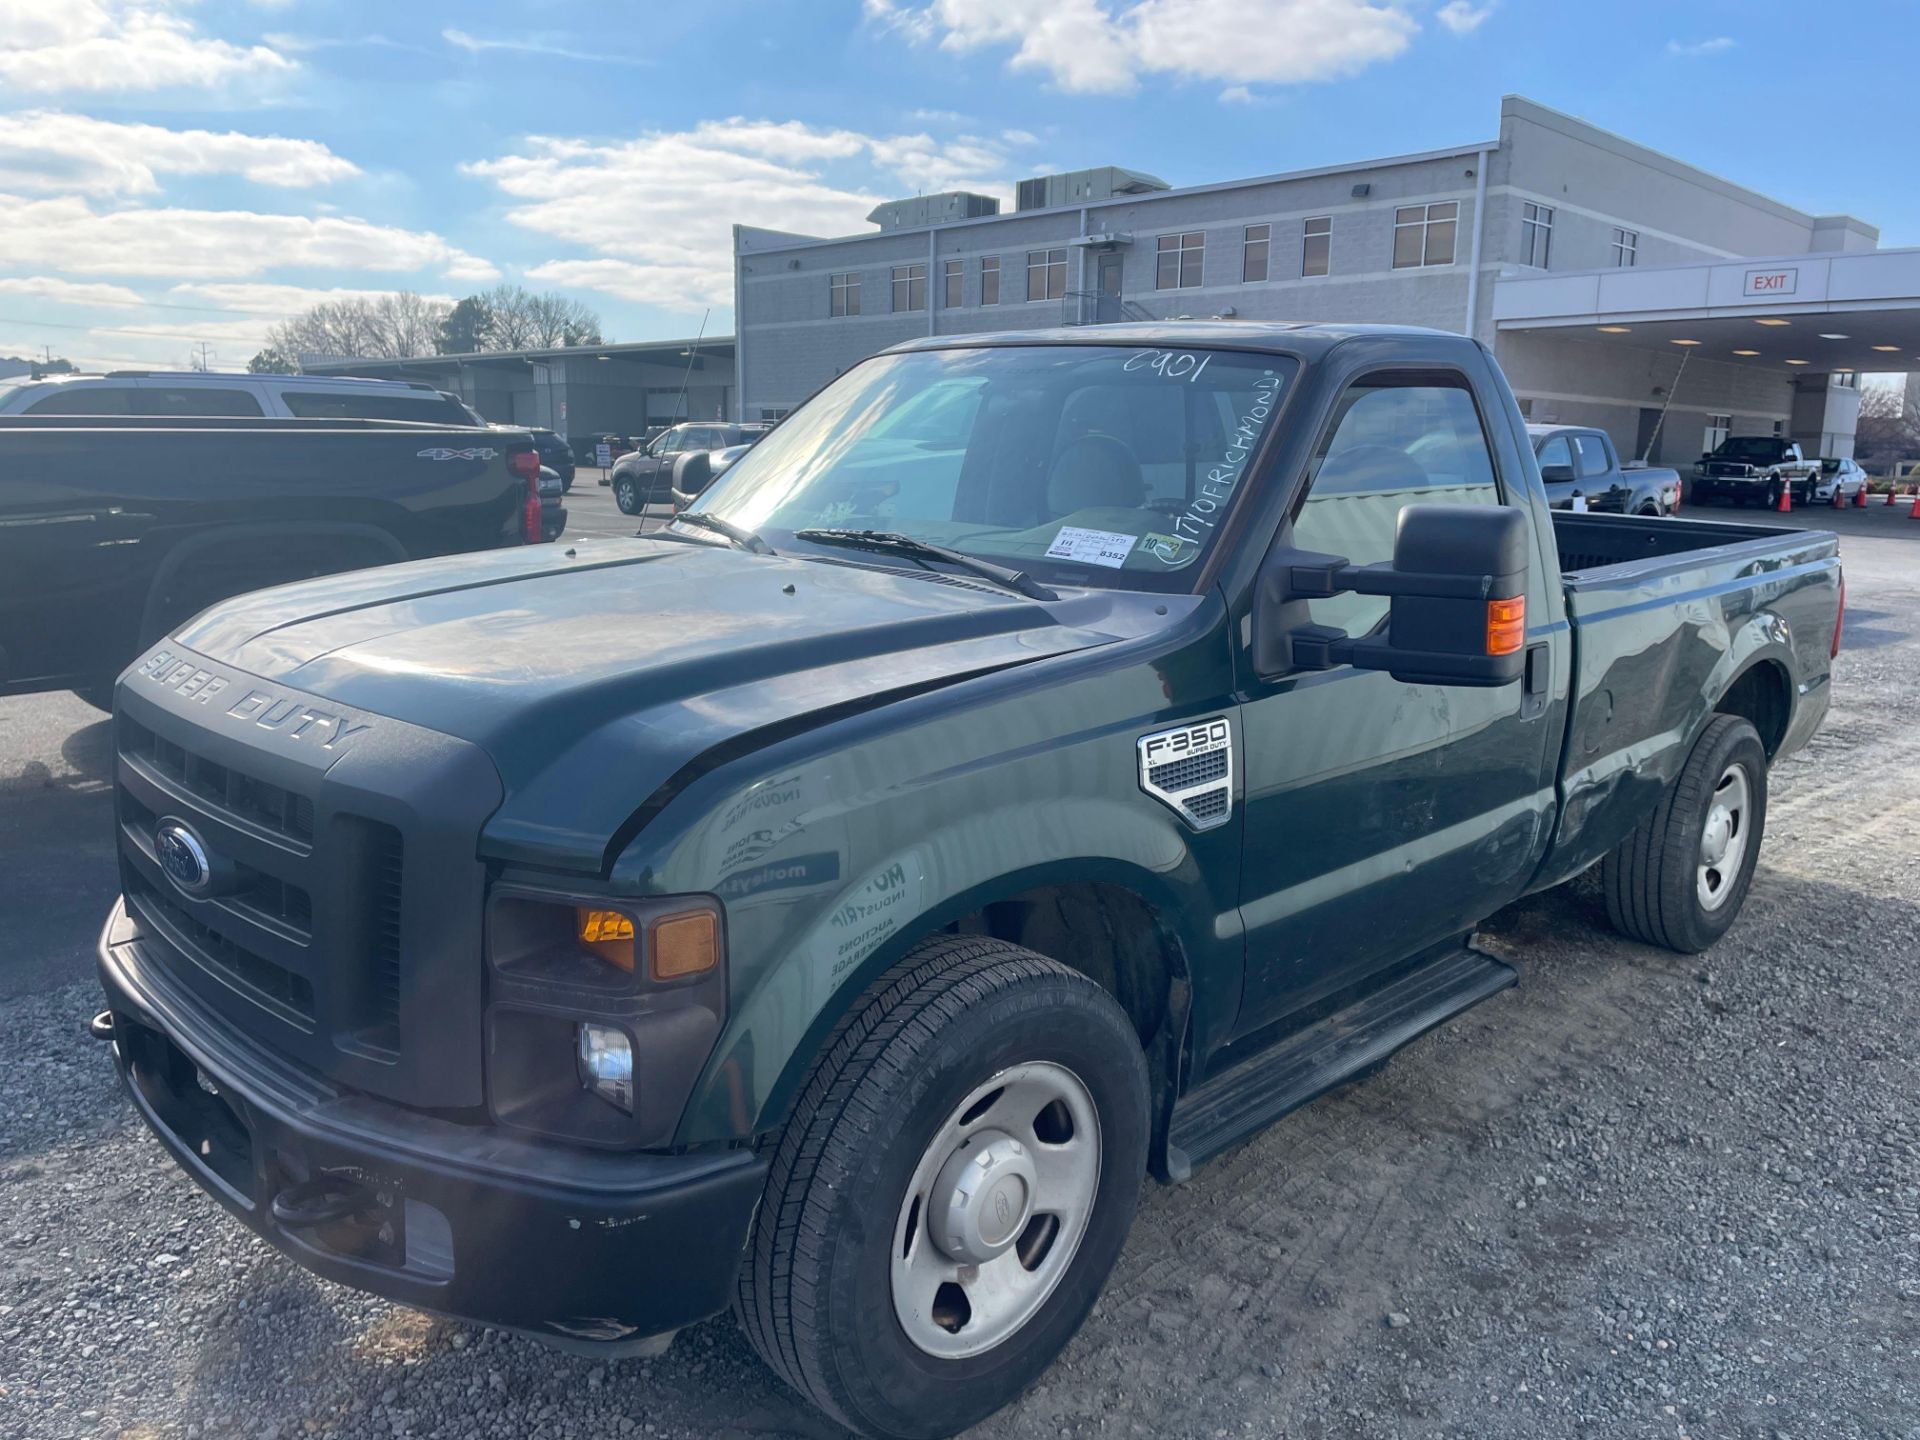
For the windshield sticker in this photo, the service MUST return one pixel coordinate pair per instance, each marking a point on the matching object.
(1217, 485)
(1092, 547)
(1168, 549)
(1169, 364)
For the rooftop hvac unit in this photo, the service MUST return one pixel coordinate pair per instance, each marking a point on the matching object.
(1080, 187)
(942, 209)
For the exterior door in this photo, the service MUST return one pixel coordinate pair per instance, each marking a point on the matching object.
(1107, 289)
(1383, 817)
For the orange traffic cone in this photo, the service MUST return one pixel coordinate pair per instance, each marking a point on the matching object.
(1839, 496)
(1785, 507)
(1860, 497)
(1890, 492)
(1914, 514)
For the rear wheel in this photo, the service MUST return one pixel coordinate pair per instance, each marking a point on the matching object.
(1680, 878)
(951, 1193)
(626, 495)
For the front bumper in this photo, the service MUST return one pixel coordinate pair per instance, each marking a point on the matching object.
(581, 1248)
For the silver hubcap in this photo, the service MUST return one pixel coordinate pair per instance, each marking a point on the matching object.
(996, 1210)
(1724, 839)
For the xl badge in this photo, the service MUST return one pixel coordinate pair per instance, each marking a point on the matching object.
(183, 857)
(1191, 768)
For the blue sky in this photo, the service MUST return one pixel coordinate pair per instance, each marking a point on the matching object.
(174, 172)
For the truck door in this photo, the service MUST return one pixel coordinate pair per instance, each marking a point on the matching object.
(1384, 817)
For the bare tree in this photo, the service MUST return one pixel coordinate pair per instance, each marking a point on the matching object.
(517, 319)
(1888, 430)
(394, 326)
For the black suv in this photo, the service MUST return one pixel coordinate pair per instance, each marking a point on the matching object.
(645, 476)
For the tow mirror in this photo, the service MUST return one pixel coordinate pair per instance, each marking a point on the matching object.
(1557, 474)
(1457, 587)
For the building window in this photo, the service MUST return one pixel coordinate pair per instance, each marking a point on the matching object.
(1181, 259)
(843, 295)
(1626, 246)
(1423, 234)
(1046, 274)
(1779, 429)
(1536, 234)
(909, 287)
(1316, 247)
(1843, 379)
(1718, 428)
(990, 280)
(952, 273)
(773, 414)
(1259, 241)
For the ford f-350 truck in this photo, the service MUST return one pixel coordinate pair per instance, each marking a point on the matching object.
(1043, 761)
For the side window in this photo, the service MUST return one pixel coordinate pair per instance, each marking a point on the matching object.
(1593, 455)
(1395, 441)
(1556, 452)
(94, 400)
(673, 442)
(193, 400)
(373, 405)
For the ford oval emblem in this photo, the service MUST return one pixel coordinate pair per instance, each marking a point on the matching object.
(183, 857)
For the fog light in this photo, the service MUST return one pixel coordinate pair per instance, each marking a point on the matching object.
(606, 1064)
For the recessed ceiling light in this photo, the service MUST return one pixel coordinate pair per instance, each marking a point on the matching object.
(1683, 342)
(1773, 322)
(1746, 352)
(1614, 329)
(1796, 362)
(1888, 349)
(1836, 337)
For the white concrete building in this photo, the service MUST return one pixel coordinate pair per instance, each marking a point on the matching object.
(1593, 267)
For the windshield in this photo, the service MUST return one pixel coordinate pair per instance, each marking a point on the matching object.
(1750, 447)
(1083, 464)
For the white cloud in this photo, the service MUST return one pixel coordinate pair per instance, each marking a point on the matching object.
(476, 45)
(1714, 46)
(69, 154)
(1461, 17)
(656, 211)
(48, 46)
(69, 235)
(69, 292)
(1103, 47)
(264, 297)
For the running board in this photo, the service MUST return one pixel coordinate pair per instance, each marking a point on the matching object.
(1239, 1103)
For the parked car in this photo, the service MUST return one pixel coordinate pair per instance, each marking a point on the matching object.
(646, 477)
(553, 510)
(1582, 472)
(1754, 469)
(113, 531)
(163, 394)
(555, 453)
(1842, 474)
(973, 826)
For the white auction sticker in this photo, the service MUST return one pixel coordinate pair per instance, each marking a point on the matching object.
(1092, 547)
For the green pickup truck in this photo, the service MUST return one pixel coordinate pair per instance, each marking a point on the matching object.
(1043, 761)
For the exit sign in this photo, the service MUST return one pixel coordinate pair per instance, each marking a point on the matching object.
(1772, 282)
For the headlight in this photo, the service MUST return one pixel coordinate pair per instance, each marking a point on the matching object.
(601, 1010)
(606, 1064)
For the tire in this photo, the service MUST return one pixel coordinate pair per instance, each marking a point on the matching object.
(1772, 499)
(1659, 886)
(626, 495)
(848, 1184)
(99, 696)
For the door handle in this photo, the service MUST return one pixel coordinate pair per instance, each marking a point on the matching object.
(1537, 680)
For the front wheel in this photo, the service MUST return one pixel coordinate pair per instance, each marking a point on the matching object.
(626, 495)
(1680, 878)
(951, 1193)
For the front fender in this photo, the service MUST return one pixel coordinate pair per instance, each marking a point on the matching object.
(841, 851)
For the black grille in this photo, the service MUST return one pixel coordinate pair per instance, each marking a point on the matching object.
(388, 854)
(250, 799)
(1210, 806)
(266, 896)
(1185, 774)
(273, 986)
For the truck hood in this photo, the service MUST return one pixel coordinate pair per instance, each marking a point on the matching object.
(594, 676)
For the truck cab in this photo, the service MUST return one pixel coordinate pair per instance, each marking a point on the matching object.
(991, 810)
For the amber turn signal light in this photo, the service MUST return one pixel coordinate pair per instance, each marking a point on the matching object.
(1506, 625)
(608, 934)
(682, 945)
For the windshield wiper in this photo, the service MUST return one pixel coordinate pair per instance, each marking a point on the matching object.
(888, 542)
(736, 535)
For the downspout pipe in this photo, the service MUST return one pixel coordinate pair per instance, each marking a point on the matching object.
(1479, 234)
(932, 264)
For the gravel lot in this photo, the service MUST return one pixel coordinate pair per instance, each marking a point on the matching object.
(1638, 1195)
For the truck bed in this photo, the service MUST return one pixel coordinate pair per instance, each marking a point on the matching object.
(1663, 612)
